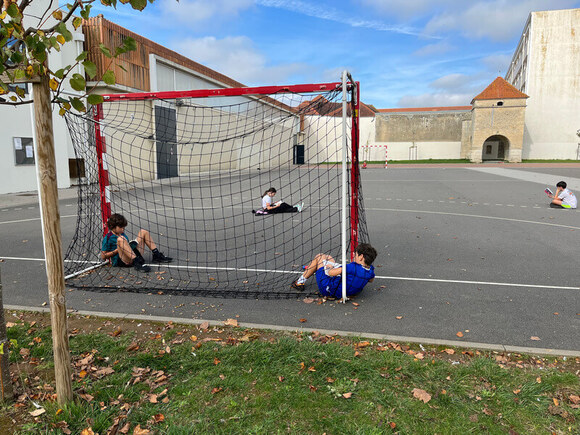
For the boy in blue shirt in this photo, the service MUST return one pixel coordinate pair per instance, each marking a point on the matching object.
(328, 273)
(122, 253)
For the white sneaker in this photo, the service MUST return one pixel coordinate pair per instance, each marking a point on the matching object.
(300, 206)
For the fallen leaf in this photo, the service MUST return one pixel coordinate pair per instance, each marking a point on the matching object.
(459, 334)
(302, 320)
(117, 332)
(533, 337)
(539, 379)
(307, 300)
(139, 431)
(347, 395)
(487, 411)
(517, 391)
(574, 399)
(87, 431)
(556, 401)
(216, 361)
(392, 424)
(37, 412)
(216, 390)
(231, 322)
(83, 374)
(204, 325)
(158, 418)
(399, 317)
(355, 304)
(281, 378)
(421, 395)
(449, 351)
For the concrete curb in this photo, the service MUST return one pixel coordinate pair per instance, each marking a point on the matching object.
(385, 337)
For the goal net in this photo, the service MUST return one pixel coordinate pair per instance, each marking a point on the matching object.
(190, 167)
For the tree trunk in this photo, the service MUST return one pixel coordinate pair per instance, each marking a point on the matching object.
(46, 167)
(6, 392)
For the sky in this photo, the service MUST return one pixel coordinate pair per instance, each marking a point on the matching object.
(405, 53)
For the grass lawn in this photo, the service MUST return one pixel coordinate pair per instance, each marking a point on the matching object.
(137, 377)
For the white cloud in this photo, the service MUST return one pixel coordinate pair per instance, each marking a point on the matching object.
(435, 100)
(434, 49)
(196, 11)
(237, 58)
(498, 20)
(332, 14)
(497, 63)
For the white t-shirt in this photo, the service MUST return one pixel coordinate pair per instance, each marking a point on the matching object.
(266, 200)
(568, 198)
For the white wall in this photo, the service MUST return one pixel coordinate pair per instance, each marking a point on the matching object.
(18, 121)
(552, 115)
(424, 151)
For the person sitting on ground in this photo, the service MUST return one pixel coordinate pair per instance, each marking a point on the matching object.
(122, 253)
(270, 207)
(563, 198)
(328, 273)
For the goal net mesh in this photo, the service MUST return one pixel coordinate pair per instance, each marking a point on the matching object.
(192, 171)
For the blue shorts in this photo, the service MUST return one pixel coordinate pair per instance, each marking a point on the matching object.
(327, 285)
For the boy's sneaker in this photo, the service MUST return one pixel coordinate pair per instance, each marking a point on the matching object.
(297, 286)
(139, 265)
(158, 257)
(300, 207)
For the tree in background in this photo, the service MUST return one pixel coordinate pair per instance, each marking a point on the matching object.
(24, 50)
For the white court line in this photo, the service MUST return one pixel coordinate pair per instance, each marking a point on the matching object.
(35, 219)
(456, 281)
(398, 278)
(473, 216)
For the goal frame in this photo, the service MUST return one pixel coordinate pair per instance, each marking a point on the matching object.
(346, 85)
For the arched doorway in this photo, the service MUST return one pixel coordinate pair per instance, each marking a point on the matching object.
(495, 148)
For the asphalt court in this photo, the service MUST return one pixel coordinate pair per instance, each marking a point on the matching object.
(472, 249)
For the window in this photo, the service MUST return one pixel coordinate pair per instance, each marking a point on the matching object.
(23, 151)
(500, 103)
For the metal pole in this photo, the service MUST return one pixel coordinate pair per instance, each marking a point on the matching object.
(344, 190)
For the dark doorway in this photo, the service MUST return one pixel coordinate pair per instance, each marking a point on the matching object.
(495, 148)
(166, 141)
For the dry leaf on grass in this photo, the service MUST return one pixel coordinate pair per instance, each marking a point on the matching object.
(38, 412)
(231, 322)
(204, 325)
(347, 395)
(139, 431)
(421, 395)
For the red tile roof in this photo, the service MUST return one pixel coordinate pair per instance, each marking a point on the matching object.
(499, 89)
(425, 109)
(321, 106)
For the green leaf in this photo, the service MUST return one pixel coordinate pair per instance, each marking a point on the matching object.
(78, 82)
(109, 77)
(130, 44)
(86, 12)
(138, 4)
(61, 28)
(78, 105)
(82, 56)
(13, 10)
(105, 51)
(77, 21)
(19, 73)
(1, 348)
(40, 52)
(59, 74)
(90, 68)
(95, 99)
(17, 57)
